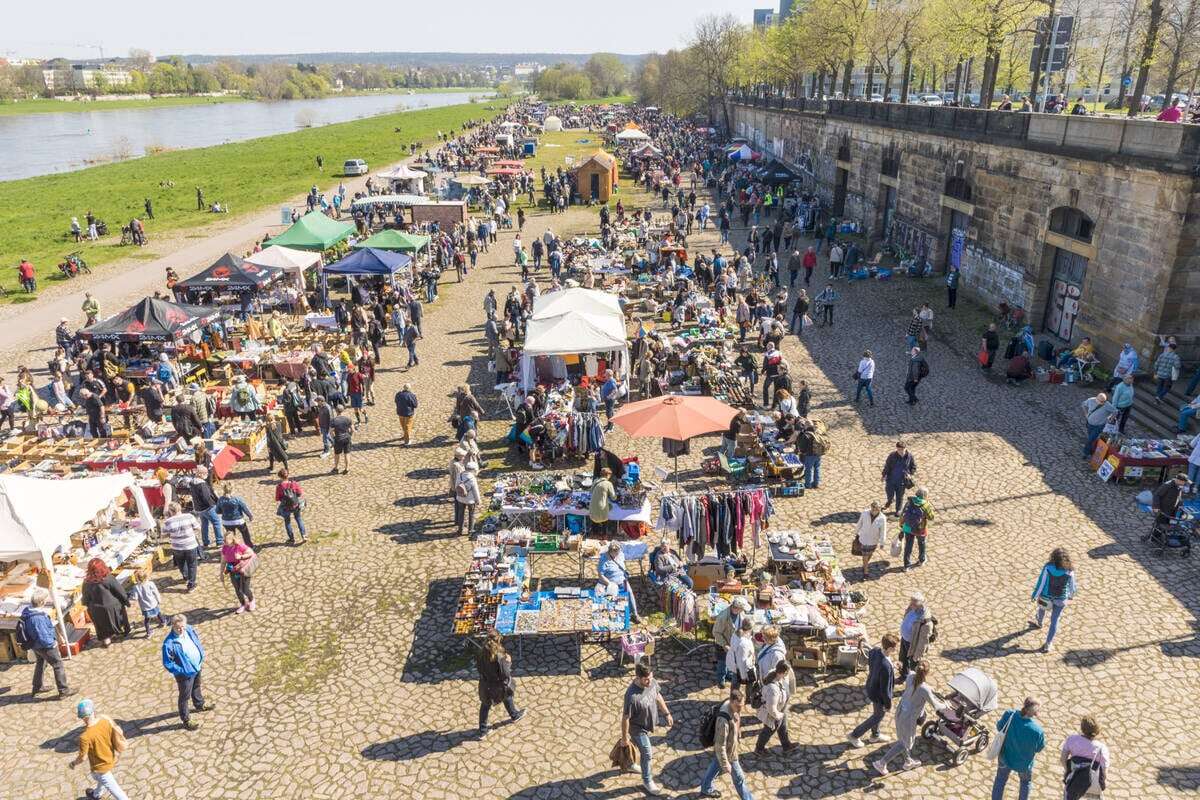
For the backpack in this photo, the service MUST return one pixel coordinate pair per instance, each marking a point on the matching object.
(820, 443)
(291, 499)
(242, 395)
(708, 724)
(22, 637)
(913, 518)
(1081, 775)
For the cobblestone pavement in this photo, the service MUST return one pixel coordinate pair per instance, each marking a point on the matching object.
(346, 681)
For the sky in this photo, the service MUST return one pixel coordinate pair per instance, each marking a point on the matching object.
(76, 29)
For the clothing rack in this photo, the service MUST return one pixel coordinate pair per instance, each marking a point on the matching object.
(667, 509)
(671, 593)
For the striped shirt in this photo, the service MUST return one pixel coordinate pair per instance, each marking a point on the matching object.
(181, 530)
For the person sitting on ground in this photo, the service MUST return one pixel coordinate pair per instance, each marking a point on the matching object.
(1018, 370)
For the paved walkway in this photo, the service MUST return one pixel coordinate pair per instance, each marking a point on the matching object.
(347, 682)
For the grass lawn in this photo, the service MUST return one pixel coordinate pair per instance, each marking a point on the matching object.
(35, 213)
(554, 149)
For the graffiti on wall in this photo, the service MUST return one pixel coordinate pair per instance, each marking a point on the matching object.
(991, 279)
(911, 240)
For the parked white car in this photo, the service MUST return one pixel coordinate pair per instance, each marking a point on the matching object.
(354, 166)
(931, 100)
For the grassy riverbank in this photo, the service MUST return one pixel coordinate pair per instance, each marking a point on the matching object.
(51, 106)
(35, 213)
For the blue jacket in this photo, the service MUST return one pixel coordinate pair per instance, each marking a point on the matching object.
(881, 677)
(173, 657)
(38, 629)
(1024, 740)
(1054, 584)
(233, 508)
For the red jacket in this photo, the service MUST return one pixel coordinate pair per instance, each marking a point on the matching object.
(810, 259)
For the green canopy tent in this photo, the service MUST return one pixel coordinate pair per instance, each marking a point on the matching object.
(399, 241)
(313, 231)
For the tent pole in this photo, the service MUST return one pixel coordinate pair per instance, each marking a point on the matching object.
(62, 619)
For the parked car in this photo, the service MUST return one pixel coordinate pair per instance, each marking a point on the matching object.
(931, 100)
(876, 98)
(354, 166)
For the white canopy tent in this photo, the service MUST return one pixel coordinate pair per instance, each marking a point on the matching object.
(573, 322)
(405, 180)
(293, 262)
(552, 124)
(632, 135)
(38, 516)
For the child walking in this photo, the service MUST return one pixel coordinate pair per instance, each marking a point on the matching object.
(145, 591)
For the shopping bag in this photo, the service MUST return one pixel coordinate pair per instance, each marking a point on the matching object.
(996, 745)
(896, 547)
(982, 358)
(806, 322)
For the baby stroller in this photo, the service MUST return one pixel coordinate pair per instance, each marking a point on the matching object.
(973, 696)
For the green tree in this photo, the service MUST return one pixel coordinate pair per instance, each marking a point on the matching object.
(607, 73)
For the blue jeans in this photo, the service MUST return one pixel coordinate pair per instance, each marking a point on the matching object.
(864, 385)
(641, 740)
(812, 472)
(724, 236)
(412, 355)
(208, 429)
(1056, 609)
(722, 670)
(106, 784)
(1185, 418)
(325, 440)
(207, 518)
(1002, 778)
(735, 772)
(911, 341)
(287, 524)
(1093, 433)
(871, 723)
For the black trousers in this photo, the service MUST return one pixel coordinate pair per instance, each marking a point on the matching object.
(951, 297)
(189, 689)
(485, 708)
(766, 733)
(828, 310)
(910, 387)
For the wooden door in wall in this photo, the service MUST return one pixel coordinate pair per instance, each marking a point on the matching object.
(1066, 292)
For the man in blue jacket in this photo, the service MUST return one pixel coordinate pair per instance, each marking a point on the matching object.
(35, 631)
(183, 656)
(881, 682)
(1023, 740)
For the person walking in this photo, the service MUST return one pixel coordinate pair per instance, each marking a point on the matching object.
(726, 740)
(1085, 762)
(799, 313)
(276, 446)
(204, 506)
(1122, 400)
(778, 686)
(411, 334)
(1096, 411)
(989, 345)
(865, 375)
(100, 744)
(341, 428)
(914, 525)
(406, 409)
(1023, 740)
(1166, 371)
(952, 276)
(181, 529)
(879, 689)
(640, 712)
(289, 499)
(149, 600)
(496, 684)
(1055, 588)
(909, 714)
(825, 301)
(918, 370)
(809, 263)
(898, 470)
(106, 602)
(183, 657)
(869, 534)
(917, 630)
(35, 632)
(235, 514)
(239, 562)
(466, 497)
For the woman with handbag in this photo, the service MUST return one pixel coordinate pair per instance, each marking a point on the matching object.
(778, 686)
(239, 563)
(739, 661)
(870, 533)
(1085, 762)
(496, 684)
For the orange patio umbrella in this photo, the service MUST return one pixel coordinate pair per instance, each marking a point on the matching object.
(673, 416)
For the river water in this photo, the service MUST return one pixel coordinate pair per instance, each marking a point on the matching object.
(40, 144)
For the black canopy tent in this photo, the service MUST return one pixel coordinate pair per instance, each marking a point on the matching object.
(228, 275)
(151, 320)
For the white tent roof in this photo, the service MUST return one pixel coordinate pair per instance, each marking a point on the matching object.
(632, 135)
(402, 173)
(552, 123)
(574, 332)
(284, 258)
(38, 515)
(587, 301)
(391, 199)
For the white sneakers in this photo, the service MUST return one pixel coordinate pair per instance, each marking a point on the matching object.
(652, 789)
(855, 743)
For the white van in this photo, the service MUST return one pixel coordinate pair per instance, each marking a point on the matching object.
(354, 166)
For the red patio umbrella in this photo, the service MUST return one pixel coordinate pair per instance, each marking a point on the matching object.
(673, 416)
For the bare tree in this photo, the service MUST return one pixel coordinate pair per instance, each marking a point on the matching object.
(715, 47)
(1182, 24)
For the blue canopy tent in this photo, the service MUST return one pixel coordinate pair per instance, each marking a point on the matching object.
(367, 261)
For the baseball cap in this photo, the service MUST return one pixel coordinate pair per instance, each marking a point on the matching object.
(85, 708)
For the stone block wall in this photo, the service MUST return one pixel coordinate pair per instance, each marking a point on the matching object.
(1143, 271)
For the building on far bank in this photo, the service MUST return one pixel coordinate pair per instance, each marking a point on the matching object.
(764, 17)
(85, 76)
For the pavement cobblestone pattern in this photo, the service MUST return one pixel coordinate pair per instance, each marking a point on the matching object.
(347, 682)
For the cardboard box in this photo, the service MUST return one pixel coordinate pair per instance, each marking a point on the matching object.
(704, 575)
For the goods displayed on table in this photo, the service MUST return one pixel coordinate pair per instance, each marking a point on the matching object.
(495, 596)
(1122, 456)
(564, 495)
